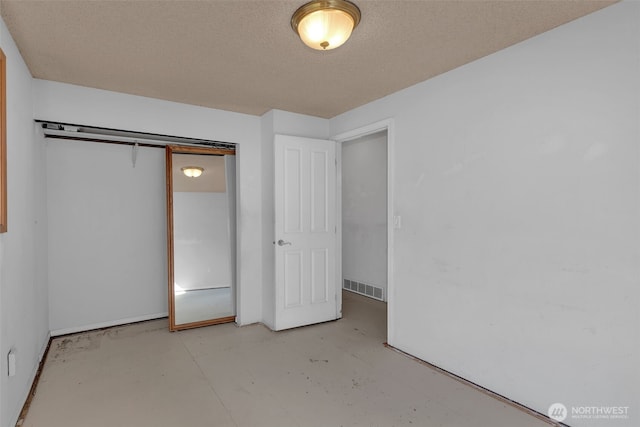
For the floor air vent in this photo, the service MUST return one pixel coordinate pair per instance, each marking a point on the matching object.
(363, 289)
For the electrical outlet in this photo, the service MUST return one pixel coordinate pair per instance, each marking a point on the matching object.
(11, 363)
(397, 222)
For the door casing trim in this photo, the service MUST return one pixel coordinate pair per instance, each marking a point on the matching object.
(379, 126)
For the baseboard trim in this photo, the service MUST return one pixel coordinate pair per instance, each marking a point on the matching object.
(493, 394)
(102, 325)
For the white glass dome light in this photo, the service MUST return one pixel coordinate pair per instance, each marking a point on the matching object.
(325, 24)
(192, 171)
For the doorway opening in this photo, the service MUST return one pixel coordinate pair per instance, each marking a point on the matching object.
(366, 220)
(110, 227)
(364, 215)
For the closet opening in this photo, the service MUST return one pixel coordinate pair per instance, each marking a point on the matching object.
(110, 237)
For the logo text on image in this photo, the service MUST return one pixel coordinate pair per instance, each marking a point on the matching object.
(557, 412)
(600, 412)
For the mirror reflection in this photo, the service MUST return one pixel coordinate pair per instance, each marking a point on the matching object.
(203, 216)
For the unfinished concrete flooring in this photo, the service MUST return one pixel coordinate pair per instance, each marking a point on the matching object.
(332, 374)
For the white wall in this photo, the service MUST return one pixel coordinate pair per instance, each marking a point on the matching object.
(74, 104)
(201, 240)
(23, 290)
(517, 179)
(107, 234)
(268, 298)
(230, 179)
(364, 210)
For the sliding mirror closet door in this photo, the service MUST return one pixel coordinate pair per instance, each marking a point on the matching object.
(201, 236)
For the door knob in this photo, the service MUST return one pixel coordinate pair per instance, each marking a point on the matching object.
(282, 243)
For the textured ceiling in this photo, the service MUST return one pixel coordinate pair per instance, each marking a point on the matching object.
(242, 56)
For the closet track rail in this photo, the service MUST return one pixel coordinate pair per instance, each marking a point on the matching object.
(75, 132)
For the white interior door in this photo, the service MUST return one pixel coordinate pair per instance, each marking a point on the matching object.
(305, 231)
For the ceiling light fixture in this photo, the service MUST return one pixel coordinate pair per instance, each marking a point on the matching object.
(192, 171)
(325, 24)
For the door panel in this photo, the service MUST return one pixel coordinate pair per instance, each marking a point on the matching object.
(305, 239)
(319, 201)
(293, 202)
(319, 276)
(293, 280)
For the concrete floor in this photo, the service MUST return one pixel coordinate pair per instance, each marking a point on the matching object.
(332, 374)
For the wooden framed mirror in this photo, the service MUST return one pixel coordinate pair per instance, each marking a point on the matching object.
(200, 236)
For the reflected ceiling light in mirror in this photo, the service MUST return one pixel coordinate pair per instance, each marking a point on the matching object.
(325, 24)
(192, 171)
